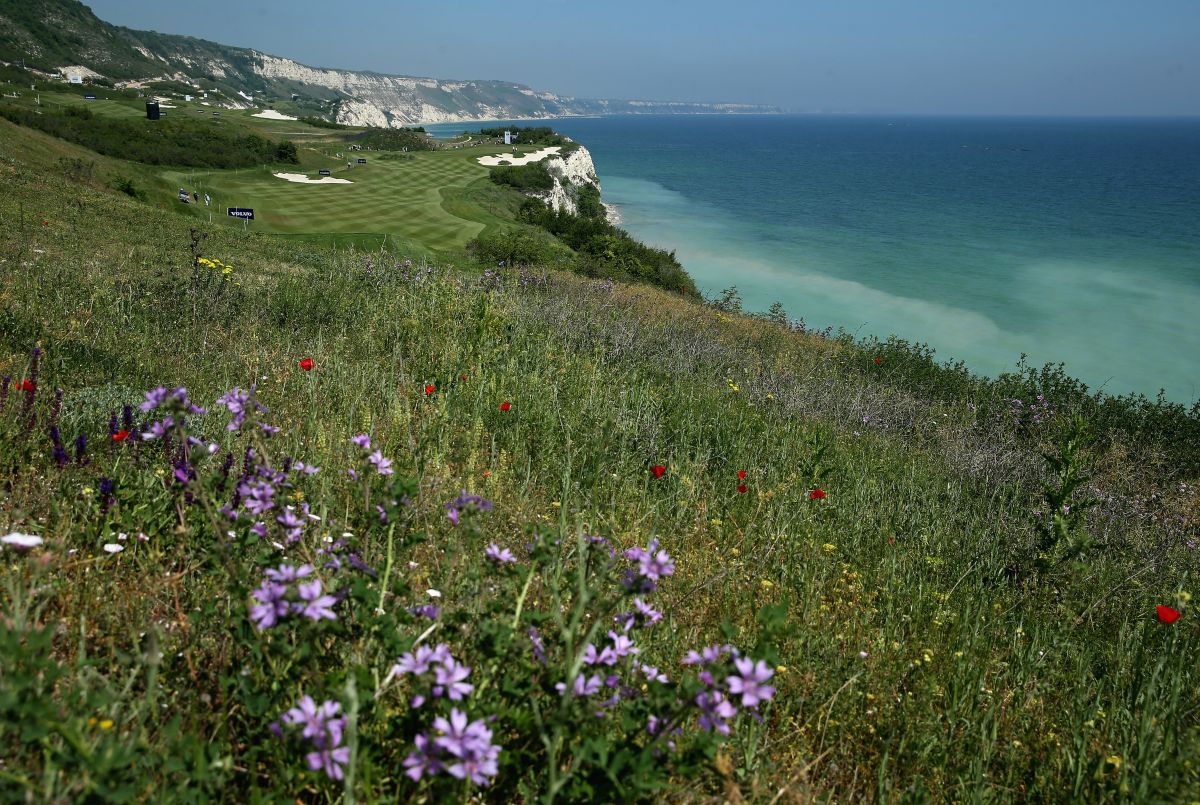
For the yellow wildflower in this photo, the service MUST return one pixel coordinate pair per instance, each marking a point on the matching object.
(106, 724)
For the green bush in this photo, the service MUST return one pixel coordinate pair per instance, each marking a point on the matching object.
(608, 251)
(533, 176)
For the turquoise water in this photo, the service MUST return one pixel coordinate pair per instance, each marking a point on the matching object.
(1073, 241)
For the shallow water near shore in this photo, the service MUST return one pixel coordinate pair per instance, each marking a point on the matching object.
(1072, 241)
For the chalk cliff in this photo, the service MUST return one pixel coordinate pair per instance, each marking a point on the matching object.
(50, 35)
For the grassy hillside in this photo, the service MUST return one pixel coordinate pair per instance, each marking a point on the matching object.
(941, 611)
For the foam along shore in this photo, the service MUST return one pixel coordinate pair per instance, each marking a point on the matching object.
(271, 114)
(300, 178)
(525, 159)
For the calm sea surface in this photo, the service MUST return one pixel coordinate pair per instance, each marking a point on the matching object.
(1073, 241)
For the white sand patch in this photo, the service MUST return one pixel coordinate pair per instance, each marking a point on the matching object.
(300, 178)
(271, 114)
(524, 159)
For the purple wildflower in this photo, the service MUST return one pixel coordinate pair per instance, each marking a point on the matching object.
(498, 555)
(288, 574)
(715, 711)
(240, 404)
(382, 465)
(583, 686)
(329, 761)
(749, 682)
(471, 745)
(449, 679)
(593, 657)
(317, 721)
(154, 399)
(653, 674)
(424, 760)
(648, 613)
(708, 655)
(362, 441)
(323, 730)
(159, 430)
(271, 607)
(257, 495)
(622, 646)
(316, 606)
(539, 649)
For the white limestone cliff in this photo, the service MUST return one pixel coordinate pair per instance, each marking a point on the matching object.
(569, 173)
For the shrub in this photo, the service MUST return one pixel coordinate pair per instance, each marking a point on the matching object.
(533, 176)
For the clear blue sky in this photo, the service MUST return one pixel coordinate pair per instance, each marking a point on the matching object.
(1072, 57)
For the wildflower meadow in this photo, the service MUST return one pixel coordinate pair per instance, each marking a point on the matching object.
(285, 522)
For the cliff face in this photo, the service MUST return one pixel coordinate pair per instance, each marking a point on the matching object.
(51, 34)
(569, 174)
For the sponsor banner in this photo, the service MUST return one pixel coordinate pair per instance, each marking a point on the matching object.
(362, 161)
(324, 173)
(245, 213)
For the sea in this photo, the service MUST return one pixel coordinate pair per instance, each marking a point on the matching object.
(1072, 241)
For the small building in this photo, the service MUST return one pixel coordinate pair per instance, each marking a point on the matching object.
(187, 98)
(508, 138)
(74, 79)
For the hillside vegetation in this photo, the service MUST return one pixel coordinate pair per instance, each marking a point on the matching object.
(284, 521)
(187, 143)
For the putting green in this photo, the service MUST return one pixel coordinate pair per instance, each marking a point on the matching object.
(424, 197)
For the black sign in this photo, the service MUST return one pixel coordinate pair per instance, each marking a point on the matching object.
(245, 213)
(324, 173)
(89, 97)
(216, 114)
(362, 162)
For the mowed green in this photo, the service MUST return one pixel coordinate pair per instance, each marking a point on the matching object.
(403, 196)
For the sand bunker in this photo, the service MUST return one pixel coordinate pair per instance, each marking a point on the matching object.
(271, 114)
(524, 159)
(300, 178)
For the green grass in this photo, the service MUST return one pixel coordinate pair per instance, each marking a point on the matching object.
(923, 657)
(420, 203)
(438, 200)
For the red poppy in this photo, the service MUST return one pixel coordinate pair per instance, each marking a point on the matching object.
(817, 494)
(878, 361)
(430, 389)
(120, 436)
(45, 223)
(741, 475)
(658, 470)
(504, 406)
(487, 473)
(1167, 614)
(27, 385)
(742, 488)
(306, 364)
(462, 377)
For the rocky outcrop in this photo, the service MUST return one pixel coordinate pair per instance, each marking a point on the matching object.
(570, 173)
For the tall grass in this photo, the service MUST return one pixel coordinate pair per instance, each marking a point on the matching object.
(926, 644)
